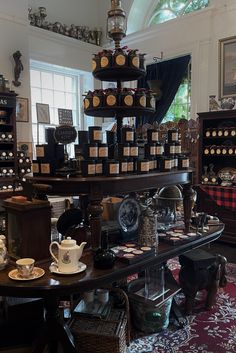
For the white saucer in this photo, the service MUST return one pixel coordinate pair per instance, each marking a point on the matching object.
(54, 269)
(37, 273)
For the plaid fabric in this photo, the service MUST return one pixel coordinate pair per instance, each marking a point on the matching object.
(223, 196)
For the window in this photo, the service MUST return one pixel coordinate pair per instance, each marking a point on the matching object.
(181, 105)
(168, 9)
(58, 87)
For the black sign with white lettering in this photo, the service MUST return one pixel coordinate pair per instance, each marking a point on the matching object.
(7, 102)
(65, 134)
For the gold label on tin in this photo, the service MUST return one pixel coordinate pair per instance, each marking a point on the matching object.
(130, 167)
(93, 152)
(45, 168)
(97, 135)
(126, 151)
(185, 163)
(208, 134)
(35, 168)
(134, 151)
(144, 167)
(129, 135)
(129, 100)
(214, 133)
(91, 169)
(142, 101)
(104, 61)
(94, 65)
(226, 133)
(224, 151)
(231, 151)
(124, 167)
(174, 136)
(40, 151)
(212, 151)
(233, 133)
(113, 168)
(120, 60)
(103, 152)
(98, 168)
(220, 133)
(206, 151)
(96, 101)
(218, 151)
(168, 164)
(152, 150)
(177, 149)
(111, 100)
(135, 61)
(155, 136)
(86, 103)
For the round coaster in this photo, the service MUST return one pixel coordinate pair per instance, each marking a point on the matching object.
(130, 245)
(137, 252)
(145, 248)
(128, 256)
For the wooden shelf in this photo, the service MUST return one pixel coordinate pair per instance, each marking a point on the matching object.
(119, 112)
(113, 74)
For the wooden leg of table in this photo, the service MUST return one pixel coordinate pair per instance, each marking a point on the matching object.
(188, 194)
(95, 210)
(54, 332)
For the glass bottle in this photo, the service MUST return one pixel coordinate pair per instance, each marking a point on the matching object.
(147, 233)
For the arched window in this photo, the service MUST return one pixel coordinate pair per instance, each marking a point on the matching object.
(168, 9)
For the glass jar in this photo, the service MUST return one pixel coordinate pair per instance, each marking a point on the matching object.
(147, 233)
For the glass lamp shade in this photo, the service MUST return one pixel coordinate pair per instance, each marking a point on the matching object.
(116, 22)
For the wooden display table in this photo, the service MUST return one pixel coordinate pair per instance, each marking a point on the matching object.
(98, 187)
(51, 287)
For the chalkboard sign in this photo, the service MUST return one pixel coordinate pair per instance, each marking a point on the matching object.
(65, 134)
(65, 117)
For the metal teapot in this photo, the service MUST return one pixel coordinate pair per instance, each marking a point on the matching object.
(69, 254)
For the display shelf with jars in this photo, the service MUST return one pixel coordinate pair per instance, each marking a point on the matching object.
(217, 170)
(8, 155)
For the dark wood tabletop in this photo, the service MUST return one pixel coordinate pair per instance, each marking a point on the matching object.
(58, 285)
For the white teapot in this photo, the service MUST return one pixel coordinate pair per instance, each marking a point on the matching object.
(69, 254)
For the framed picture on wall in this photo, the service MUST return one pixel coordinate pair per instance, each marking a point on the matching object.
(22, 110)
(227, 67)
(43, 115)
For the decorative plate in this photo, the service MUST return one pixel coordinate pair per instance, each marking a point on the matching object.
(227, 174)
(37, 273)
(128, 215)
(54, 269)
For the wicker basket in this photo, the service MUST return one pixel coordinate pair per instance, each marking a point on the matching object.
(93, 335)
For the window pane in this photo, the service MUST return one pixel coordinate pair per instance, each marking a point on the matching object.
(59, 99)
(69, 84)
(59, 83)
(55, 117)
(35, 78)
(35, 96)
(69, 100)
(47, 97)
(47, 81)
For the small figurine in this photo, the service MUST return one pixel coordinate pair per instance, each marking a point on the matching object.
(18, 68)
(213, 105)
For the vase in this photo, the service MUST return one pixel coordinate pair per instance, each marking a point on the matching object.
(227, 103)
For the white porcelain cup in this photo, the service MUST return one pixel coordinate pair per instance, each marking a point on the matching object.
(103, 295)
(25, 267)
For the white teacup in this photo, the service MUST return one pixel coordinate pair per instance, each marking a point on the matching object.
(25, 267)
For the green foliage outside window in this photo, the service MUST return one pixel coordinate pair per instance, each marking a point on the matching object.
(169, 9)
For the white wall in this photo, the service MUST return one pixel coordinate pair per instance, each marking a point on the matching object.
(197, 34)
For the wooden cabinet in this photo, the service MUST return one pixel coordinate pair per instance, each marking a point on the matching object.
(217, 156)
(8, 150)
